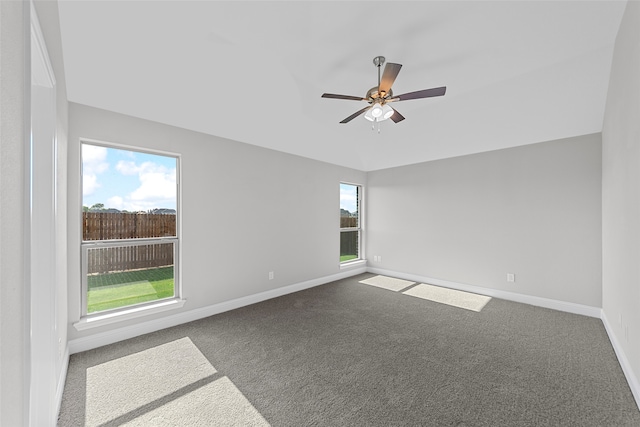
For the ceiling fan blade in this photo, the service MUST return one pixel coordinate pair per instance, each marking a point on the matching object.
(391, 71)
(427, 93)
(396, 117)
(356, 114)
(334, 96)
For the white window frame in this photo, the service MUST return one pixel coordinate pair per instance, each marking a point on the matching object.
(131, 311)
(359, 228)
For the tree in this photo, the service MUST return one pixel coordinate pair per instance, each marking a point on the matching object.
(97, 207)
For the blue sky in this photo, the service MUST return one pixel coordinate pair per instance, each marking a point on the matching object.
(127, 180)
(348, 197)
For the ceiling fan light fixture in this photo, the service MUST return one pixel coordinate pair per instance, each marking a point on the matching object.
(369, 116)
(376, 111)
(387, 112)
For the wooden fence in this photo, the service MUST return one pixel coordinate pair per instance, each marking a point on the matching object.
(127, 258)
(119, 225)
(348, 221)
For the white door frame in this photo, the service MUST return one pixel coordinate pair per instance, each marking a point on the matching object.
(43, 341)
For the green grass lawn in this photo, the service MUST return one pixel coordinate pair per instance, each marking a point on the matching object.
(114, 290)
(344, 258)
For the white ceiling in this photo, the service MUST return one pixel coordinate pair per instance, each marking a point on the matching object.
(517, 72)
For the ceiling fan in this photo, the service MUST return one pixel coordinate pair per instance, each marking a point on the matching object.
(379, 97)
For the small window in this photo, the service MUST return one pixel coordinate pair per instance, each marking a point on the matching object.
(350, 222)
(129, 228)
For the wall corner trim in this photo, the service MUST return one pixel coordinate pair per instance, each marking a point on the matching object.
(100, 339)
(634, 383)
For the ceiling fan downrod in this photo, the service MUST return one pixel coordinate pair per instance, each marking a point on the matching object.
(378, 61)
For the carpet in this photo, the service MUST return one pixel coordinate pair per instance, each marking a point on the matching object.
(348, 354)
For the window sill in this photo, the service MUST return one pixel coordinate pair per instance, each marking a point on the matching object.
(95, 321)
(351, 264)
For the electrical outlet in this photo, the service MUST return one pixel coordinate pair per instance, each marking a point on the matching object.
(271, 275)
(511, 277)
(379, 258)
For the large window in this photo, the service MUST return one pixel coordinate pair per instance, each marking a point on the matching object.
(350, 223)
(129, 227)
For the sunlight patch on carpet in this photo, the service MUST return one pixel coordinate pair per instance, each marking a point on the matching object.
(165, 385)
(390, 283)
(215, 404)
(453, 297)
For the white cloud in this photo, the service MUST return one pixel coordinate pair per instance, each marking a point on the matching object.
(156, 182)
(115, 202)
(127, 168)
(157, 187)
(93, 154)
(93, 164)
(89, 183)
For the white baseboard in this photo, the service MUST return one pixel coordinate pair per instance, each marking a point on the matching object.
(62, 380)
(634, 384)
(98, 340)
(568, 307)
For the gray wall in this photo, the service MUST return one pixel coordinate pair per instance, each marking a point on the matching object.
(14, 125)
(534, 211)
(245, 210)
(621, 191)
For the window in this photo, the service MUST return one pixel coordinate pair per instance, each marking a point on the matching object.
(350, 222)
(129, 228)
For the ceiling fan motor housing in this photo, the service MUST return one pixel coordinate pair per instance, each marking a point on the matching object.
(374, 96)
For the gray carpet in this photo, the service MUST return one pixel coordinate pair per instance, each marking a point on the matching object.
(351, 354)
